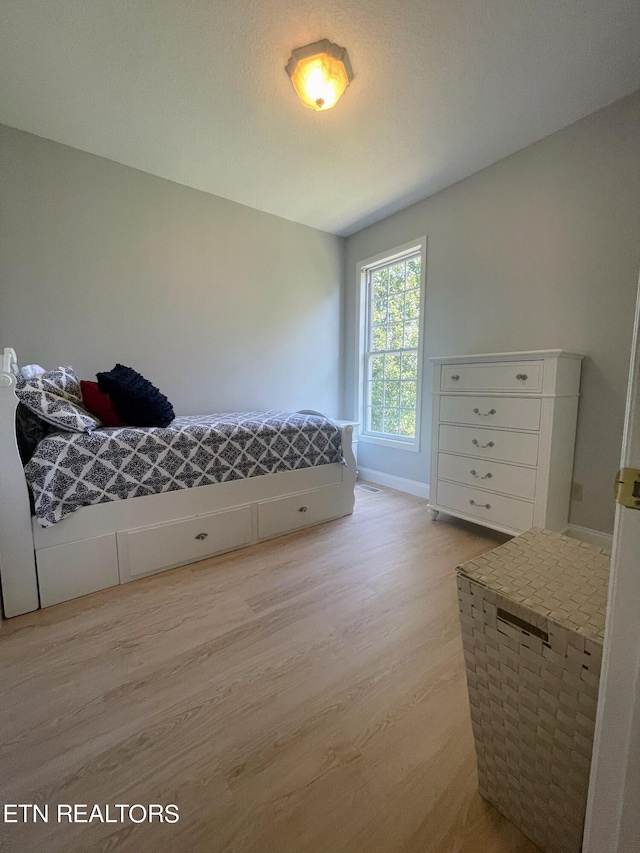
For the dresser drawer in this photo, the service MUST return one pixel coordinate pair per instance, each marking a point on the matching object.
(497, 476)
(282, 515)
(153, 549)
(490, 508)
(525, 376)
(509, 412)
(518, 447)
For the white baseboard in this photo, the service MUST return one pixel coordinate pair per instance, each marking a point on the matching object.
(402, 484)
(593, 537)
(421, 490)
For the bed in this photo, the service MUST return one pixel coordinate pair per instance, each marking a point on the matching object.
(86, 528)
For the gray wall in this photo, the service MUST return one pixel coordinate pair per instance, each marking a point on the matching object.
(540, 250)
(224, 307)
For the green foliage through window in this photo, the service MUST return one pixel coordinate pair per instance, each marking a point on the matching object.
(391, 356)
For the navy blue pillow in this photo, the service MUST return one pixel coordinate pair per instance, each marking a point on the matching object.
(136, 400)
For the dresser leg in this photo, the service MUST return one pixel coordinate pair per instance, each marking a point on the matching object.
(434, 513)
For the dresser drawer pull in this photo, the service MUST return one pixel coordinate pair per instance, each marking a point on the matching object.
(202, 536)
(302, 509)
(473, 503)
(455, 377)
(522, 376)
(482, 446)
(484, 414)
(486, 476)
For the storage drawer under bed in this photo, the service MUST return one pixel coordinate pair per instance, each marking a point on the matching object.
(282, 515)
(76, 568)
(153, 549)
(69, 570)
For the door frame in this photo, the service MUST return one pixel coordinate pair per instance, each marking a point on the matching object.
(613, 814)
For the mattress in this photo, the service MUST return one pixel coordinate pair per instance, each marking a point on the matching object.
(69, 470)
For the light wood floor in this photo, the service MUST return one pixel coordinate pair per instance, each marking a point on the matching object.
(306, 694)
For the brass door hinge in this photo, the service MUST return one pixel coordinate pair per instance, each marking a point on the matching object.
(627, 488)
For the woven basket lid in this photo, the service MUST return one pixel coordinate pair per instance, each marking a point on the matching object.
(558, 577)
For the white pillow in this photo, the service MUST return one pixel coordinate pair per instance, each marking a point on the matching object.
(55, 397)
(31, 370)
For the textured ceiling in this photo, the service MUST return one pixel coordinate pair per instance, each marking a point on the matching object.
(195, 90)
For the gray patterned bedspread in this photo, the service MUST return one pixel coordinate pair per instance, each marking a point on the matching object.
(69, 470)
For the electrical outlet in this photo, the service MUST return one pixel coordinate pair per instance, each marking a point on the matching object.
(576, 491)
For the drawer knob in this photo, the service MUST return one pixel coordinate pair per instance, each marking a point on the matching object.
(486, 476)
(202, 536)
(455, 377)
(522, 376)
(484, 414)
(473, 503)
(482, 446)
(302, 509)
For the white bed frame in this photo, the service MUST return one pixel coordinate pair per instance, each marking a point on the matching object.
(117, 542)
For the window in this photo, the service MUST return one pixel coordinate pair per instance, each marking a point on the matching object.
(391, 347)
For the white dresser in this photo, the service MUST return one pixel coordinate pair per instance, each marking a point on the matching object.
(503, 438)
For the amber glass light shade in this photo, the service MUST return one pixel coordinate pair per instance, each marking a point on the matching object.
(320, 73)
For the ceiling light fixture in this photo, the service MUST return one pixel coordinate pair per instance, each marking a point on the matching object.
(320, 72)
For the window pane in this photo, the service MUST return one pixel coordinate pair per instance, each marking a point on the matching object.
(391, 393)
(408, 395)
(376, 418)
(411, 333)
(377, 393)
(379, 338)
(391, 421)
(413, 273)
(408, 423)
(412, 305)
(393, 317)
(396, 278)
(409, 365)
(380, 286)
(376, 366)
(396, 308)
(394, 338)
(381, 276)
(392, 363)
(379, 314)
(379, 305)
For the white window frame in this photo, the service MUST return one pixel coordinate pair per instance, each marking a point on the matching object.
(362, 269)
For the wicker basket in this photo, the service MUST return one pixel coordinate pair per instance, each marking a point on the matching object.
(532, 614)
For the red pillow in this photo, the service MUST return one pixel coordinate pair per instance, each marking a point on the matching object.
(99, 404)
